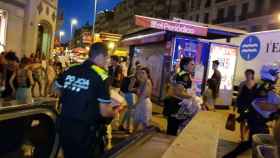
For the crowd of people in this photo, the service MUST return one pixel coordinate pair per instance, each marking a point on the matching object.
(100, 91)
(26, 78)
(90, 94)
(136, 87)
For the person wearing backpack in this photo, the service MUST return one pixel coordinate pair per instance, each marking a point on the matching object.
(24, 82)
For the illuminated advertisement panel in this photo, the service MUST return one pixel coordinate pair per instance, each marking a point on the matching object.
(198, 50)
(227, 56)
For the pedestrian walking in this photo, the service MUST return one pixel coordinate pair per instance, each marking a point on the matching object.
(133, 68)
(263, 108)
(246, 94)
(143, 111)
(217, 76)
(58, 69)
(130, 97)
(9, 69)
(86, 105)
(38, 76)
(115, 79)
(23, 83)
(210, 95)
(124, 66)
(115, 73)
(50, 77)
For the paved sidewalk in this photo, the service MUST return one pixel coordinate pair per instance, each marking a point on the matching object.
(228, 139)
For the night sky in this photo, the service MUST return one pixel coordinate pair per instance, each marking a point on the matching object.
(82, 11)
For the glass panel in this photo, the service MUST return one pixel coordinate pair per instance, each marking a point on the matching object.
(3, 29)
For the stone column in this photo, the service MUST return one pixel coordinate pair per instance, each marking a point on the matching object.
(30, 28)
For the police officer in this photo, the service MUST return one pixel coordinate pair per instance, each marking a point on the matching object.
(186, 69)
(86, 105)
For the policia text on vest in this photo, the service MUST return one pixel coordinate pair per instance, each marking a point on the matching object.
(81, 126)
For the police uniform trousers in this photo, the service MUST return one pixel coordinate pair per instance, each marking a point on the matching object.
(173, 125)
(80, 140)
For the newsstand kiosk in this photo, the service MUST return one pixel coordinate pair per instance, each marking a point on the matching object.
(160, 44)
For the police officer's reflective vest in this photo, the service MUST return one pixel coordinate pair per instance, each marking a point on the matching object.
(101, 72)
(180, 79)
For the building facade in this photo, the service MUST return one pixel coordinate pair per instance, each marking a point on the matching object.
(28, 25)
(105, 20)
(121, 19)
(82, 37)
(250, 15)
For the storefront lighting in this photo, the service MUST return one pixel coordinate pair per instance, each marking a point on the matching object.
(61, 34)
(97, 35)
(111, 45)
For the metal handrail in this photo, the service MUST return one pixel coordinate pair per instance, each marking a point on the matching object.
(38, 107)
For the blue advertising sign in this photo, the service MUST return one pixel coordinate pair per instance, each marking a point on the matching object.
(250, 48)
(198, 50)
(190, 47)
(184, 47)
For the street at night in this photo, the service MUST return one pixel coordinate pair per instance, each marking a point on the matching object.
(139, 79)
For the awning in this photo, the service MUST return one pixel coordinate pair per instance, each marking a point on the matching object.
(179, 26)
(142, 39)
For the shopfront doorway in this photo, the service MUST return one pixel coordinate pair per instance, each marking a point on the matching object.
(44, 39)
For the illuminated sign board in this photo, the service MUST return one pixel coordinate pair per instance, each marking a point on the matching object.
(173, 26)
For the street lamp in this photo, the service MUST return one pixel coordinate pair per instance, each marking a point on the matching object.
(61, 34)
(94, 15)
(74, 22)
